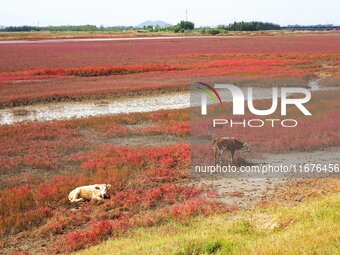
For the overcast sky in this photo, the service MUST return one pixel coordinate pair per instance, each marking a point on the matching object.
(133, 12)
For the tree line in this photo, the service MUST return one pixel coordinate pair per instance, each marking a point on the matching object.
(52, 28)
(181, 27)
(251, 26)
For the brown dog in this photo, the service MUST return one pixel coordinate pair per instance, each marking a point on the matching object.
(231, 144)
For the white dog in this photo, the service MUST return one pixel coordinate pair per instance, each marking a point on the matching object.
(86, 193)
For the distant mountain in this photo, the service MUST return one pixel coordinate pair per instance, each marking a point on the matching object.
(153, 23)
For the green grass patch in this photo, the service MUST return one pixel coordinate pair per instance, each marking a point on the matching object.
(311, 228)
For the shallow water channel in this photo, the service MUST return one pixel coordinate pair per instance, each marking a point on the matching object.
(69, 110)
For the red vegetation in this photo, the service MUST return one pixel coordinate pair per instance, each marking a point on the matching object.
(82, 54)
(103, 229)
(45, 75)
(39, 146)
(48, 146)
(137, 187)
(233, 64)
(40, 163)
(149, 183)
(174, 128)
(114, 157)
(94, 71)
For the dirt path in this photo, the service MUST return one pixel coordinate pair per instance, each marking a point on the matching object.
(247, 192)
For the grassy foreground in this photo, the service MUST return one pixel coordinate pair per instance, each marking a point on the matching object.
(311, 228)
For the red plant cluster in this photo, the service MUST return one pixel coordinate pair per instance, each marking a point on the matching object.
(237, 64)
(165, 128)
(39, 146)
(147, 76)
(138, 199)
(143, 194)
(77, 240)
(81, 54)
(108, 158)
(162, 176)
(104, 229)
(174, 128)
(197, 207)
(47, 148)
(95, 70)
(79, 88)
